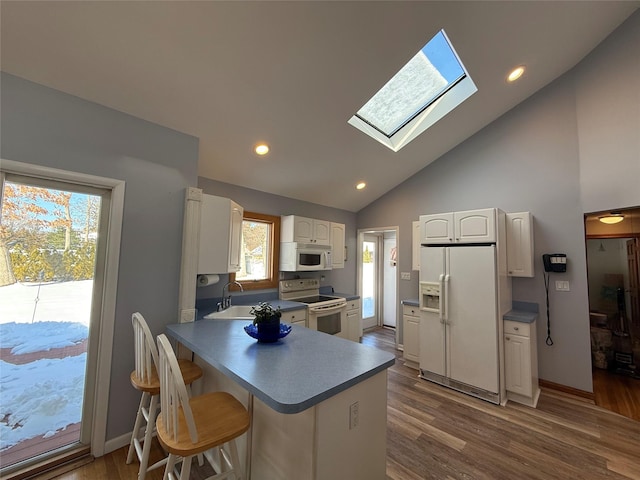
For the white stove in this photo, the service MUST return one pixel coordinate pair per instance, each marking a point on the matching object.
(325, 313)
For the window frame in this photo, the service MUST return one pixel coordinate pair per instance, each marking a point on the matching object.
(274, 268)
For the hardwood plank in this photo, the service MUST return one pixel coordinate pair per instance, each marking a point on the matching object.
(437, 433)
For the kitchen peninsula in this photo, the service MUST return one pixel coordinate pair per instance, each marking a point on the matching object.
(318, 402)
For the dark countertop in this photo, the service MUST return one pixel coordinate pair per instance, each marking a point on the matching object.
(347, 296)
(291, 375)
(523, 312)
(207, 306)
(411, 301)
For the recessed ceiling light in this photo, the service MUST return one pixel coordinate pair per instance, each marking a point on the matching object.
(515, 74)
(361, 185)
(262, 149)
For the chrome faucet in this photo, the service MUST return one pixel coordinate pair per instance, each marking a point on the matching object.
(226, 301)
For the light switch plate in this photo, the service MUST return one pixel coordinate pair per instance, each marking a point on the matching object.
(562, 285)
(405, 275)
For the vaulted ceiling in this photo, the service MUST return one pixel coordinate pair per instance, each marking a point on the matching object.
(234, 73)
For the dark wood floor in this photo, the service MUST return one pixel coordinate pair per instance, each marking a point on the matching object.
(617, 392)
(437, 433)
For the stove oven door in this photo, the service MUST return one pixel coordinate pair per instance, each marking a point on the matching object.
(331, 319)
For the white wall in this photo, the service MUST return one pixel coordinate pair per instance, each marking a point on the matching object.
(46, 127)
(539, 157)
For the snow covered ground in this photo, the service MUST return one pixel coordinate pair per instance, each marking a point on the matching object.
(45, 395)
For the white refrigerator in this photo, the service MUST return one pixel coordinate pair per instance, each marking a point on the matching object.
(459, 323)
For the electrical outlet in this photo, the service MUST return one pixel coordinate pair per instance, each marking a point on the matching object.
(562, 285)
(354, 415)
(405, 275)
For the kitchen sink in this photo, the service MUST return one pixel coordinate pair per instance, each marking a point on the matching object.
(234, 312)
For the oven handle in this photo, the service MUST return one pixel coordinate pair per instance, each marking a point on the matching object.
(328, 308)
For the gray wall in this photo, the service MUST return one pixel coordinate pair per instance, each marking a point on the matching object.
(46, 127)
(342, 280)
(570, 149)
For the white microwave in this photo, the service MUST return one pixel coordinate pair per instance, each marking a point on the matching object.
(302, 257)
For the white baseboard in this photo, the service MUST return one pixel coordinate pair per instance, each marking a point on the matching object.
(116, 443)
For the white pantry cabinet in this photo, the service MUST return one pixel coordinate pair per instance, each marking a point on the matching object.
(294, 228)
(521, 362)
(520, 244)
(337, 245)
(220, 235)
(471, 226)
(415, 245)
(411, 335)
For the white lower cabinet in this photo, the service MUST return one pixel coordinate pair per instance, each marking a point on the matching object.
(411, 335)
(295, 317)
(521, 363)
(354, 320)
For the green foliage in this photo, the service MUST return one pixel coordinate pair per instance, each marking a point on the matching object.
(265, 313)
(367, 256)
(37, 264)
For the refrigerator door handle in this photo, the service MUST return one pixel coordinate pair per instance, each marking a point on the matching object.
(441, 299)
(446, 298)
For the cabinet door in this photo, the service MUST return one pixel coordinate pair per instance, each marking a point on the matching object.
(220, 235)
(235, 240)
(321, 232)
(303, 230)
(354, 320)
(295, 317)
(517, 360)
(337, 245)
(411, 333)
(475, 226)
(520, 244)
(436, 228)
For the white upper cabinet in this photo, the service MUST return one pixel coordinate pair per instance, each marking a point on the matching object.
(337, 245)
(520, 244)
(294, 228)
(220, 235)
(472, 226)
(436, 228)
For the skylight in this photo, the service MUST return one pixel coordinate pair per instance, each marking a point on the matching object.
(429, 86)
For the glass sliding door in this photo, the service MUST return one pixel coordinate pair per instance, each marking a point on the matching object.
(49, 237)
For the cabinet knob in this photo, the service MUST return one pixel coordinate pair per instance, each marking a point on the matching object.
(516, 328)
(507, 338)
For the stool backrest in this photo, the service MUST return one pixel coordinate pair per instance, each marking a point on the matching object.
(146, 353)
(173, 392)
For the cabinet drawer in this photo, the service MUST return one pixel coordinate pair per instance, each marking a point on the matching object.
(517, 328)
(410, 310)
(294, 316)
(353, 304)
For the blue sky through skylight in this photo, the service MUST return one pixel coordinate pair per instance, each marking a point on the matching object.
(426, 77)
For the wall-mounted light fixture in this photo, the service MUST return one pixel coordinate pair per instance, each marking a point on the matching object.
(613, 217)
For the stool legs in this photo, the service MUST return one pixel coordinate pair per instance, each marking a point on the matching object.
(142, 449)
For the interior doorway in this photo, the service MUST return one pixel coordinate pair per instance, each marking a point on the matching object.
(378, 276)
(613, 251)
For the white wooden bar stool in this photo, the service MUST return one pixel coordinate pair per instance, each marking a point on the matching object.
(204, 424)
(145, 379)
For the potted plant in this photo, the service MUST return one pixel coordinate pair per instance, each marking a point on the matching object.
(267, 320)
